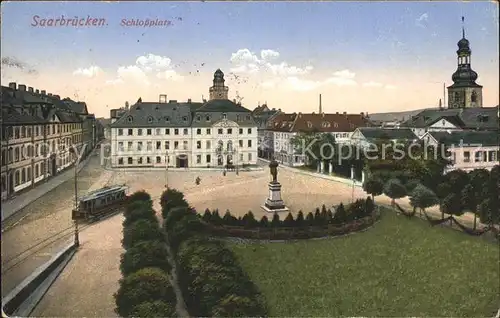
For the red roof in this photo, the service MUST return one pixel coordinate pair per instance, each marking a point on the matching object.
(317, 122)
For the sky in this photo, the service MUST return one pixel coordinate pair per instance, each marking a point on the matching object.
(360, 56)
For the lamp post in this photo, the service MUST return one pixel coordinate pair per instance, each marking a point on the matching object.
(237, 159)
(353, 180)
(77, 160)
(167, 161)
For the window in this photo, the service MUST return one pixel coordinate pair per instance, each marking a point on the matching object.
(184, 119)
(198, 144)
(16, 154)
(149, 146)
(209, 159)
(148, 160)
(167, 145)
(167, 131)
(209, 131)
(129, 119)
(208, 144)
(176, 145)
(198, 131)
(198, 158)
(220, 131)
(238, 118)
(176, 131)
(240, 142)
(158, 145)
(185, 145)
(130, 160)
(149, 131)
(28, 174)
(185, 131)
(139, 132)
(130, 132)
(229, 131)
(129, 146)
(139, 160)
(158, 131)
(250, 157)
(466, 156)
(150, 119)
(248, 117)
(158, 159)
(224, 116)
(309, 124)
(17, 178)
(473, 97)
(492, 156)
(198, 117)
(207, 118)
(250, 143)
(241, 131)
(167, 119)
(456, 97)
(241, 157)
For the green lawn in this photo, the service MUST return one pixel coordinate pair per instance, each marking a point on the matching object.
(400, 267)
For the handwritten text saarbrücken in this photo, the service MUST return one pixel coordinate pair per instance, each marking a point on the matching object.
(62, 21)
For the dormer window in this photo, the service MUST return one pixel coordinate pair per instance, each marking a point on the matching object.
(224, 116)
(167, 119)
(207, 117)
(198, 118)
(238, 118)
(335, 125)
(309, 124)
(325, 124)
(184, 118)
(157, 108)
(248, 117)
(473, 97)
(150, 120)
(129, 119)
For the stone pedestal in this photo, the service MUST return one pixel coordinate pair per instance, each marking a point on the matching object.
(274, 203)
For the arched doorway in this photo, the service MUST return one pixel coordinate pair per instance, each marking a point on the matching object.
(182, 161)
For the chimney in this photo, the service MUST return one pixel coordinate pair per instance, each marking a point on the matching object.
(313, 113)
(320, 109)
(13, 85)
(323, 115)
(189, 100)
(56, 97)
(300, 114)
(37, 91)
(30, 89)
(22, 87)
(204, 100)
(336, 113)
(345, 113)
(49, 94)
(162, 98)
(43, 92)
(362, 114)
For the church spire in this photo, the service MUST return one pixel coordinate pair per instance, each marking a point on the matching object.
(463, 27)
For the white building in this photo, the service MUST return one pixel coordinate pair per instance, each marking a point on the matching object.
(469, 149)
(215, 133)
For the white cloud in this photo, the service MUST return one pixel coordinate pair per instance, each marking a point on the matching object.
(269, 84)
(144, 65)
(298, 84)
(372, 84)
(342, 78)
(388, 86)
(90, 72)
(421, 21)
(245, 61)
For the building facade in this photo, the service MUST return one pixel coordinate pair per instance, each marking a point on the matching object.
(469, 150)
(262, 115)
(214, 133)
(39, 131)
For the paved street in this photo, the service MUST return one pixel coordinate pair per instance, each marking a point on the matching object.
(40, 222)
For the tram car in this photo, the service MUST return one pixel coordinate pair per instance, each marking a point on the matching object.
(100, 202)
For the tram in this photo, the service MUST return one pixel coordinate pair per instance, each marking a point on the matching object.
(101, 202)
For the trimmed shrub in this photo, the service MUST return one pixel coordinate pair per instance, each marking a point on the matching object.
(141, 230)
(207, 216)
(309, 219)
(264, 222)
(170, 199)
(299, 221)
(369, 206)
(145, 285)
(139, 210)
(157, 308)
(144, 254)
(340, 215)
(140, 196)
(189, 226)
(318, 219)
(289, 221)
(276, 220)
(249, 221)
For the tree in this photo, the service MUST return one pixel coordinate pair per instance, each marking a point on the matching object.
(145, 285)
(340, 214)
(140, 196)
(170, 199)
(289, 221)
(188, 226)
(422, 197)
(318, 220)
(411, 185)
(373, 186)
(141, 230)
(310, 219)
(443, 190)
(457, 179)
(216, 219)
(451, 205)
(139, 210)
(394, 190)
(158, 308)
(264, 222)
(470, 200)
(207, 216)
(144, 254)
(276, 220)
(488, 212)
(249, 220)
(299, 221)
(369, 206)
(317, 147)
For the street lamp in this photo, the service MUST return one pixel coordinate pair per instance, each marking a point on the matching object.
(77, 161)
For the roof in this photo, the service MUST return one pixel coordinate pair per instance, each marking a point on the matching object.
(452, 119)
(472, 138)
(317, 122)
(102, 191)
(387, 133)
(470, 118)
(223, 106)
(184, 114)
(77, 107)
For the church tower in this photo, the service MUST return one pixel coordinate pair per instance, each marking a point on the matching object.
(465, 92)
(218, 90)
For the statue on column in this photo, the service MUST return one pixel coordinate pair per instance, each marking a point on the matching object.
(273, 167)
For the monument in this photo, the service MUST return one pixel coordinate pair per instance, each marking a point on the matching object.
(274, 203)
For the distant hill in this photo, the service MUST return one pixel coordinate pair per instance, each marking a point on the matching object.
(396, 116)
